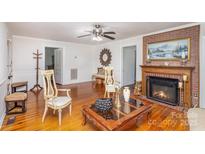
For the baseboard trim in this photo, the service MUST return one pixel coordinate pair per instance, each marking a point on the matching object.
(76, 83)
(2, 118)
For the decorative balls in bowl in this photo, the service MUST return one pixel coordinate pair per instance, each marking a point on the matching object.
(104, 104)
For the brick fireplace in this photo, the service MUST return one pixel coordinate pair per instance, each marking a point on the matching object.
(189, 94)
(170, 72)
(165, 90)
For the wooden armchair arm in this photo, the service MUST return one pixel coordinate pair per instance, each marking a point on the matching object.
(65, 90)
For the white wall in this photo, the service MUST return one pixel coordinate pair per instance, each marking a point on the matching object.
(3, 69)
(202, 65)
(3, 52)
(78, 56)
(116, 48)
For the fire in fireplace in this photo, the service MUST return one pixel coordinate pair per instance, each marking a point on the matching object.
(161, 94)
(164, 90)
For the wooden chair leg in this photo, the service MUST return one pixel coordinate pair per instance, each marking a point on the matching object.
(108, 95)
(7, 108)
(70, 109)
(105, 94)
(44, 114)
(59, 117)
(113, 94)
(23, 106)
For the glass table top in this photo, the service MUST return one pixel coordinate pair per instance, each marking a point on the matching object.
(118, 112)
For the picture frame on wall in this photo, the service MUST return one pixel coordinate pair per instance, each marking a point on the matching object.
(169, 50)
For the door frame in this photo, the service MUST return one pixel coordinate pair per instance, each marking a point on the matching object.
(122, 51)
(201, 74)
(62, 60)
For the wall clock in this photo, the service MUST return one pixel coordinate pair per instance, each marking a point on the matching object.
(105, 57)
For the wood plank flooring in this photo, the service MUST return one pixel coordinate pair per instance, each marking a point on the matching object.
(162, 117)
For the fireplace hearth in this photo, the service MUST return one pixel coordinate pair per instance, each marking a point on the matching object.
(164, 90)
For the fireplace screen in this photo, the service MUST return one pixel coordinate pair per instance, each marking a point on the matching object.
(163, 89)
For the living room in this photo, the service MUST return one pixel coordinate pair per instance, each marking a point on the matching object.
(23, 42)
(122, 76)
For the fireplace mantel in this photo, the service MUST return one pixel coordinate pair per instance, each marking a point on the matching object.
(168, 67)
(170, 71)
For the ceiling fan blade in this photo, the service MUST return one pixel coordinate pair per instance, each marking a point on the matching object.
(109, 33)
(109, 37)
(84, 35)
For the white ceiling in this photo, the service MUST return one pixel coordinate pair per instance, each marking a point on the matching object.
(68, 31)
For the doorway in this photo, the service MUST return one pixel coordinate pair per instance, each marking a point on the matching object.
(53, 60)
(9, 66)
(129, 65)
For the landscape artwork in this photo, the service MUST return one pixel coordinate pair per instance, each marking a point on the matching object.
(169, 50)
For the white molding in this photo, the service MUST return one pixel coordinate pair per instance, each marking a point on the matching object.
(4, 110)
(172, 29)
(77, 81)
(49, 40)
(63, 47)
(121, 66)
(2, 118)
(201, 68)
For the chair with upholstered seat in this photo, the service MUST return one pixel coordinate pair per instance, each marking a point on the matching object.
(52, 100)
(111, 85)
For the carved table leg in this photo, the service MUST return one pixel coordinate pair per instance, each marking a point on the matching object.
(84, 119)
(148, 115)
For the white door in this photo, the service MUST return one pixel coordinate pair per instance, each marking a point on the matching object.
(202, 74)
(9, 65)
(129, 65)
(58, 57)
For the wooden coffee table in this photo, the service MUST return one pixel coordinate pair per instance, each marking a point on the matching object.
(119, 118)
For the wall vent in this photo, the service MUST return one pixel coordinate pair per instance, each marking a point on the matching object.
(74, 74)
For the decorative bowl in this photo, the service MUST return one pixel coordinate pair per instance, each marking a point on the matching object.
(104, 104)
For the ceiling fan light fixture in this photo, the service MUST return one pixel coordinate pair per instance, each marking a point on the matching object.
(97, 34)
(97, 38)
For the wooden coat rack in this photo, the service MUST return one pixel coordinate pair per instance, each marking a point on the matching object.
(37, 87)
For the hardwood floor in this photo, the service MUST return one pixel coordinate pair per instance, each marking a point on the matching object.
(162, 117)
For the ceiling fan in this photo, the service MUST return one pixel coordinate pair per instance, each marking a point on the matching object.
(97, 33)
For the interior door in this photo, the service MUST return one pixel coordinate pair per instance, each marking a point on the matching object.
(129, 65)
(9, 65)
(58, 54)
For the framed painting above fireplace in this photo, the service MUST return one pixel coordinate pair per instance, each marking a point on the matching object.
(169, 50)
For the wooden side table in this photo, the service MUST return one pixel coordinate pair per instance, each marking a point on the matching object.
(16, 85)
(15, 99)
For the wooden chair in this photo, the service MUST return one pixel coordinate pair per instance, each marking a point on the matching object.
(111, 85)
(99, 76)
(16, 85)
(52, 100)
(15, 99)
